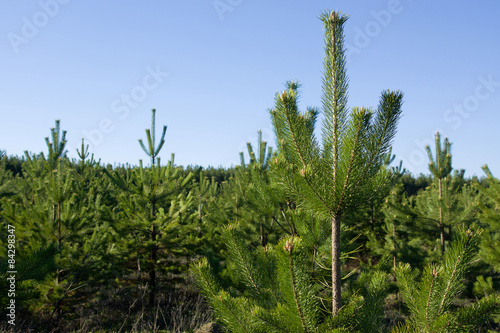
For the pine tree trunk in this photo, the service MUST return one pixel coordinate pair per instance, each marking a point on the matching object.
(441, 231)
(336, 277)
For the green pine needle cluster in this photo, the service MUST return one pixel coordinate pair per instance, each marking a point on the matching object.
(430, 299)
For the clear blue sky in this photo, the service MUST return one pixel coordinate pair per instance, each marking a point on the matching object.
(211, 69)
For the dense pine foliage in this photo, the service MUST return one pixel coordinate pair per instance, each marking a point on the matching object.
(316, 236)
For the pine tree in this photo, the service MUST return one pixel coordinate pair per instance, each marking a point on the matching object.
(430, 298)
(398, 242)
(56, 147)
(440, 168)
(204, 192)
(83, 154)
(154, 200)
(447, 202)
(52, 211)
(267, 208)
(490, 245)
(335, 178)
(262, 160)
(280, 286)
(54, 208)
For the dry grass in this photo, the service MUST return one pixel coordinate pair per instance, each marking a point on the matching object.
(125, 309)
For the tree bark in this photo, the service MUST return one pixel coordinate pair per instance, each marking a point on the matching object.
(441, 231)
(336, 277)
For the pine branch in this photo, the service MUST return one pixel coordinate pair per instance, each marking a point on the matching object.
(224, 305)
(360, 123)
(434, 274)
(476, 313)
(243, 261)
(289, 248)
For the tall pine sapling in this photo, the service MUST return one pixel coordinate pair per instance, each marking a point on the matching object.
(280, 286)
(336, 177)
(440, 168)
(56, 189)
(447, 202)
(153, 199)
